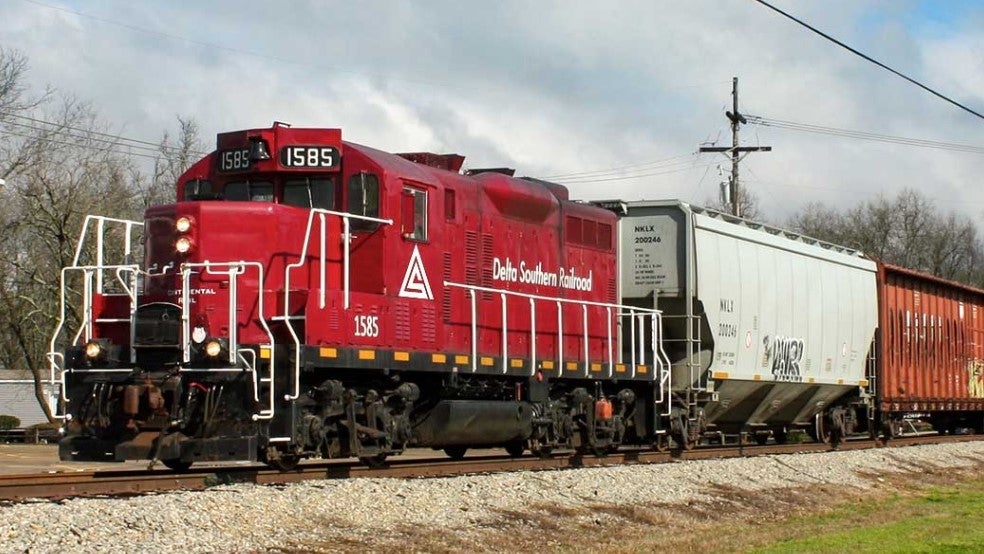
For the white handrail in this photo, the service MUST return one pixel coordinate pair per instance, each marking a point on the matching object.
(322, 266)
(659, 356)
(322, 262)
(56, 359)
(233, 270)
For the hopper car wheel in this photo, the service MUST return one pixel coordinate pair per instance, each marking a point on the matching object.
(456, 452)
(515, 448)
(819, 430)
(177, 464)
(661, 444)
(761, 438)
(780, 435)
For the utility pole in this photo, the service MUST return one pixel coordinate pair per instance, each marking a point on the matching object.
(736, 151)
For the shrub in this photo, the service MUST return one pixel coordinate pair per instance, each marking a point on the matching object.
(8, 422)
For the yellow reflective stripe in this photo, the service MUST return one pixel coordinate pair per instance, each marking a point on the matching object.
(326, 352)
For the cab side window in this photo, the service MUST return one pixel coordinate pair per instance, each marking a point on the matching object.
(363, 199)
(415, 218)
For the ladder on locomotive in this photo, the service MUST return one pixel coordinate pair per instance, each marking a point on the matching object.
(293, 322)
(110, 292)
(239, 358)
(126, 286)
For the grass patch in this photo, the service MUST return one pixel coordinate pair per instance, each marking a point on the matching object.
(936, 519)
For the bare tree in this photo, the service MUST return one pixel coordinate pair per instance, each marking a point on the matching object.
(59, 167)
(908, 230)
(176, 156)
(15, 101)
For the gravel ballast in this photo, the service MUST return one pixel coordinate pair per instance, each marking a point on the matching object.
(237, 518)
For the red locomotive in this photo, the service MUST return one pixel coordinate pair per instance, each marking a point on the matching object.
(309, 296)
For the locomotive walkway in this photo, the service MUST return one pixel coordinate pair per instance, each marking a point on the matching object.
(58, 486)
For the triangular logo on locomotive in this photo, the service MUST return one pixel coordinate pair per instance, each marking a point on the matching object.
(415, 283)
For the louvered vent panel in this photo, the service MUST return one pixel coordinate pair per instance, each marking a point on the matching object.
(401, 321)
(446, 291)
(471, 248)
(428, 325)
(612, 290)
(333, 319)
(487, 265)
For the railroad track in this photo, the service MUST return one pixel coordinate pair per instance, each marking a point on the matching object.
(60, 486)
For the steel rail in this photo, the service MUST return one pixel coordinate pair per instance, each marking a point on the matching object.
(60, 486)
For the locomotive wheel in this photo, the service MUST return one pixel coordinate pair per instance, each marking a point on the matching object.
(374, 462)
(515, 448)
(542, 451)
(282, 461)
(177, 464)
(660, 443)
(286, 462)
(456, 452)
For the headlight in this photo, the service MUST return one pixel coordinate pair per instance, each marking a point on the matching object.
(183, 224)
(182, 245)
(213, 348)
(92, 350)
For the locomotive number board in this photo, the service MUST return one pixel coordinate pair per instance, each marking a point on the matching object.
(236, 159)
(310, 157)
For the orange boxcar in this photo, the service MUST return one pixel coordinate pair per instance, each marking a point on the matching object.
(931, 349)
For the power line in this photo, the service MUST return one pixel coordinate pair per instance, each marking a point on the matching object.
(626, 178)
(864, 135)
(146, 145)
(68, 131)
(617, 170)
(77, 145)
(56, 132)
(872, 60)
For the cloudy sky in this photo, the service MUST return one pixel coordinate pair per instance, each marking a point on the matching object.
(612, 98)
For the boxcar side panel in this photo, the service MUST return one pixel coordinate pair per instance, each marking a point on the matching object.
(931, 356)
